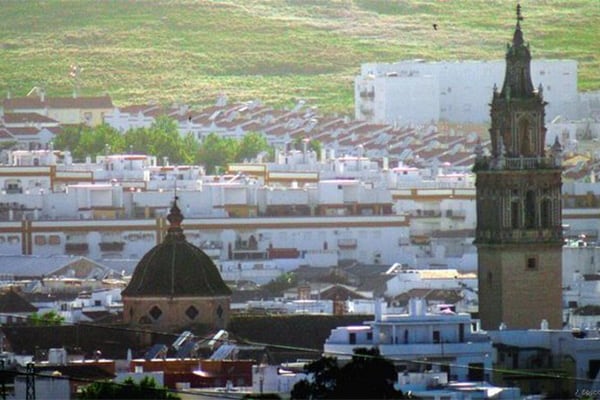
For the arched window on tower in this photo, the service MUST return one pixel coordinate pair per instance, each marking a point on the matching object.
(530, 209)
(515, 214)
(546, 211)
(488, 213)
(525, 138)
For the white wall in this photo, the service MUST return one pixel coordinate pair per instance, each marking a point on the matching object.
(464, 88)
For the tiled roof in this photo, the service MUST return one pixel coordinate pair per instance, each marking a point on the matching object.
(33, 102)
(12, 302)
(24, 131)
(5, 134)
(450, 296)
(36, 266)
(15, 118)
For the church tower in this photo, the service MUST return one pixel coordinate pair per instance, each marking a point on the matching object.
(519, 221)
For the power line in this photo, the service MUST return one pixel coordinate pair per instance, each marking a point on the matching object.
(522, 372)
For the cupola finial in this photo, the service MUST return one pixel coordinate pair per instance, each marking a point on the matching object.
(175, 218)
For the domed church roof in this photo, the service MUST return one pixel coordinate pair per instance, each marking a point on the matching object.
(176, 268)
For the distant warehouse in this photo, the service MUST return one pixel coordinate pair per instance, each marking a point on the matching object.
(421, 92)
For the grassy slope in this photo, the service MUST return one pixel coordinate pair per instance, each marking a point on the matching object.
(274, 50)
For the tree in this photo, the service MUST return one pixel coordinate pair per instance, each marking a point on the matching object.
(99, 140)
(68, 138)
(49, 318)
(283, 282)
(138, 140)
(367, 376)
(252, 144)
(190, 148)
(165, 140)
(325, 374)
(216, 152)
(146, 389)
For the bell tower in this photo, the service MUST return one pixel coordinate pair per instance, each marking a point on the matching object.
(519, 221)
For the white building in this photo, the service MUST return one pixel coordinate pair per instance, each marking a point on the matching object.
(435, 386)
(48, 386)
(420, 341)
(420, 92)
(574, 354)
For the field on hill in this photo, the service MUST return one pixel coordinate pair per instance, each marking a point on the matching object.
(274, 50)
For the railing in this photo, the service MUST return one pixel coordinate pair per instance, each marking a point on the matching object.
(519, 235)
(515, 163)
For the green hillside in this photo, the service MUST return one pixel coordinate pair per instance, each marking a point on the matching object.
(274, 50)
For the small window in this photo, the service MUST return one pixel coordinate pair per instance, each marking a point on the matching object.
(531, 263)
(192, 312)
(155, 312)
(352, 339)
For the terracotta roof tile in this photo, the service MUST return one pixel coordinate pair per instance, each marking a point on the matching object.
(15, 118)
(34, 102)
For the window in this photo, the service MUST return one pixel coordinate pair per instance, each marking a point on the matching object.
(514, 215)
(352, 338)
(436, 336)
(370, 336)
(155, 312)
(546, 211)
(192, 312)
(531, 263)
(476, 372)
(530, 202)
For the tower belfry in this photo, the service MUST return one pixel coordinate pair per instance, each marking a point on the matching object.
(519, 220)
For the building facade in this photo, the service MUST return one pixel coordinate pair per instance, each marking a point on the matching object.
(519, 223)
(420, 340)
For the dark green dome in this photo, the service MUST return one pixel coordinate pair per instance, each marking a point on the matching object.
(176, 268)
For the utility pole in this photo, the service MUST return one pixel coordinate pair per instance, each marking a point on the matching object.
(3, 372)
(30, 382)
